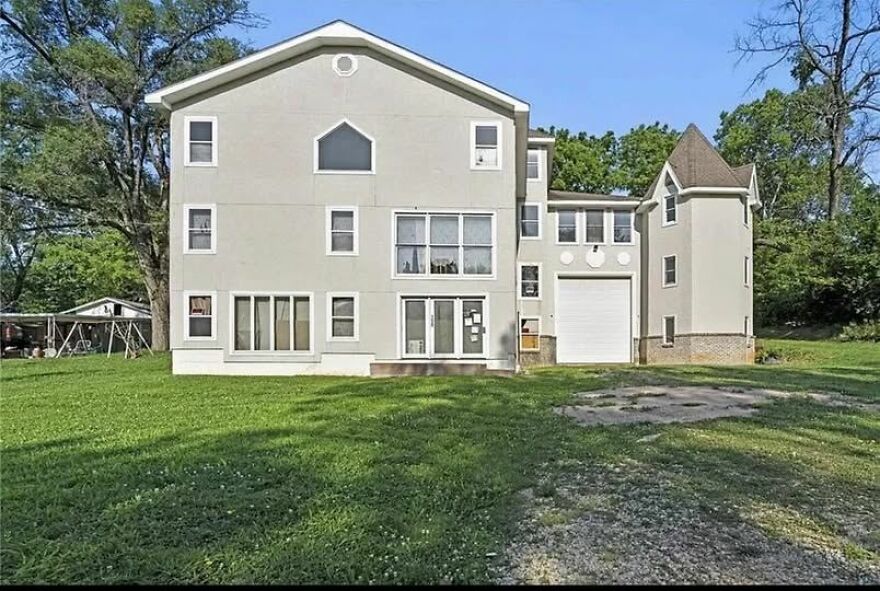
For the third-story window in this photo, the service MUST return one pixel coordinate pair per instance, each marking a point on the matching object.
(486, 143)
(443, 244)
(746, 210)
(623, 221)
(201, 149)
(533, 165)
(595, 226)
(529, 281)
(566, 226)
(342, 232)
(670, 276)
(344, 149)
(530, 221)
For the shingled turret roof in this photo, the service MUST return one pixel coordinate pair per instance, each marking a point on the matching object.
(697, 164)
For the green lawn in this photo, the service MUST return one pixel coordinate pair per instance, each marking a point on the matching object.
(116, 471)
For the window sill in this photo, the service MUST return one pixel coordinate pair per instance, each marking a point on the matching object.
(425, 276)
(344, 172)
(189, 339)
(665, 285)
(535, 238)
(489, 168)
(342, 254)
(667, 224)
(212, 251)
(668, 345)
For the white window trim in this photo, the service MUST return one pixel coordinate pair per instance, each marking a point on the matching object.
(459, 346)
(214, 143)
(747, 213)
(461, 276)
(357, 316)
(186, 316)
(605, 217)
(666, 222)
(186, 209)
(473, 143)
(663, 340)
(632, 227)
(540, 220)
(577, 226)
(747, 271)
(519, 294)
(328, 234)
(663, 270)
(540, 176)
(252, 352)
(520, 334)
(354, 64)
(318, 137)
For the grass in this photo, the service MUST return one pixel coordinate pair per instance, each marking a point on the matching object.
(115, 471)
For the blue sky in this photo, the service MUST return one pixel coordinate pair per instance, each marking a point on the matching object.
(589, 65)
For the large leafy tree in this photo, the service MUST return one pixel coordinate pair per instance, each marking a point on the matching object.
(76, 74)
(833, 48)
(584, 162)
(641, 154)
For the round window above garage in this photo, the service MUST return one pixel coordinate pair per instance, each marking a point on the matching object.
(345, 64)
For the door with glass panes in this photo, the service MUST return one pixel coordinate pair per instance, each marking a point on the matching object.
(443, 327)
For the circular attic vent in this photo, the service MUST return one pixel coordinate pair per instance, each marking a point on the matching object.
(344, 64)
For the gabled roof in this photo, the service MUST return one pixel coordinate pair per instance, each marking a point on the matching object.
(336, 33)
(697, 164)
(744, 174)
(127, 303)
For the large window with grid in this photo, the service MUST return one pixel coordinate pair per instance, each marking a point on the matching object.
(272, 322)
(444, 244)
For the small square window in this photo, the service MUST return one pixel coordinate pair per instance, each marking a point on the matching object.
(670, 272)
(530, 221)
(529, 334)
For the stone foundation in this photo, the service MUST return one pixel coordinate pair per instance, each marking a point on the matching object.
(698, 349)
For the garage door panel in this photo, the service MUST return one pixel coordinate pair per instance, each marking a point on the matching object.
(593, 321)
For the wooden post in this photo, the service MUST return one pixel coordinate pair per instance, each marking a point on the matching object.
(110, 344)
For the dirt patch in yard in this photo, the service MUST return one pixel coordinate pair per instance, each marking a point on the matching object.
(680, 404)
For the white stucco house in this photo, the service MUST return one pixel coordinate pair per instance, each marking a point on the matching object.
(343, 205)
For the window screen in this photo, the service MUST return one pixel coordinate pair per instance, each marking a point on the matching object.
(345, 148)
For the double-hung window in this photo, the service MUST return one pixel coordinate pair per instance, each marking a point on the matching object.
(486, 145)
(201, 141)
(200, 229)
(444, 244)
(623, 226)
(533, 165)
(595, 226)
(342, 317)
(342, 231)
(670, 272)
(670, 209)
(529, 281)
(530, 221)
(529, 334)
(566, 226)
(272, 323)
(201, 318)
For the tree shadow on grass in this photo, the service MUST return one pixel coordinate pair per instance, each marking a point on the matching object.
(350, 484)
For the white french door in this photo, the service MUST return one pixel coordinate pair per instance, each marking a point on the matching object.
(443, 327)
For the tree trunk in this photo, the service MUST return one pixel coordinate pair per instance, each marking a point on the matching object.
(157, 289)
(835, 164)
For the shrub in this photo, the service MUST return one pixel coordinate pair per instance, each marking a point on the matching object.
(866, 331)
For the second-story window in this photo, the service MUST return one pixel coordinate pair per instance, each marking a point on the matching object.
(533, 165)
(670, 209)
(344, 149)
(670, 272)
(595, 226)
(486, 145)
(623, 230)
(443, 244)
(529, 281)
(201, 141)
(530, 221)
(199, 229)
(566, 226)
(342, 231)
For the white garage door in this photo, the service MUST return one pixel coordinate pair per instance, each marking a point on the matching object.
(593, 321)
